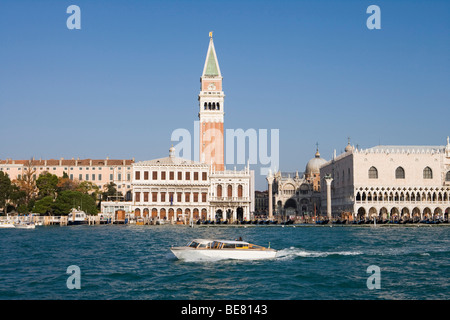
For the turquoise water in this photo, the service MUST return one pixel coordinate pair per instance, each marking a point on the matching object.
(134, 262)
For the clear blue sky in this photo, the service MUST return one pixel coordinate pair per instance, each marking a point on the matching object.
(312, 69)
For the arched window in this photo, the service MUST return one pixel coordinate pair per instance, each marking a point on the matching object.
(214, 106)
(373, 173)
(209, 106)
(218, 106)
(427, 173)
(399, 173)
(205, 105)
(219, 191)
(447, 176)
(240, 191)
(230, 191)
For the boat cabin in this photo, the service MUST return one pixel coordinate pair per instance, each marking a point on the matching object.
(222, 244)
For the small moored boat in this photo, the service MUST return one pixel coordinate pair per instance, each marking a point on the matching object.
(25, 225)
(76, 217)
(204, 249)
(6, 224)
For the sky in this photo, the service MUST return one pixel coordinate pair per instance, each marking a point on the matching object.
(119, 86)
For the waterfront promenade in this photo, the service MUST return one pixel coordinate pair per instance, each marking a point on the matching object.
(101, 220)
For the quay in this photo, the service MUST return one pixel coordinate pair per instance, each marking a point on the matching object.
(129, 219)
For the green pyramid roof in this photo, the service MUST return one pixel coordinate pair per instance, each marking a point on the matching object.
(211, 66)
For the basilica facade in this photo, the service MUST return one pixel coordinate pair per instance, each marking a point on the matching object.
(297, 196)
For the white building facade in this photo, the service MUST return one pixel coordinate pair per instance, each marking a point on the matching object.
(390, 182)
(176, 189)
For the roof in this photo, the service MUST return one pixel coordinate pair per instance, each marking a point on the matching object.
(170, 161)
(211, 68)
(222, 241)
(71, 162)
(401, 149)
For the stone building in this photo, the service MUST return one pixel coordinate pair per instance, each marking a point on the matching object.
(98, 171)
(261, 202)
(390, 182)
(297, 196)
(174, 188)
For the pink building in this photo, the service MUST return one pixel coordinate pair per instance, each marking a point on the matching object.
(100, 172)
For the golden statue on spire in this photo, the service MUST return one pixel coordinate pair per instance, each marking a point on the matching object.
(210, 34)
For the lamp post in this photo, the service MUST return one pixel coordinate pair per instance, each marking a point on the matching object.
(328, 180)
(269, 179)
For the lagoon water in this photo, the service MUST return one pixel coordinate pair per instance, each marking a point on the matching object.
(314, 262)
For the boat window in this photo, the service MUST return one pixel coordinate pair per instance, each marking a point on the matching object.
(241, 246)
(215, 245)
(193, 244)
(204, 245)
(229, 246)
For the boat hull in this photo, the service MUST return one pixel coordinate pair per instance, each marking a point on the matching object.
(76, 223)
(25, 226)
(7, 225)
(191, 254)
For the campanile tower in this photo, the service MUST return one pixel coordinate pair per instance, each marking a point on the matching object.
(211, 112)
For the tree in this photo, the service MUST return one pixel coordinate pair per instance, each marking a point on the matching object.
(111, 191)
(44, 205)
(64, 183)
(67, 200)
(47, 184)
(88, 187)
(5, 189)
(27, 182)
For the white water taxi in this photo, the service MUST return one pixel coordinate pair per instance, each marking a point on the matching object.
(203, 249)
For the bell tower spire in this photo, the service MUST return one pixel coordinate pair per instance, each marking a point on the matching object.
(211, 114)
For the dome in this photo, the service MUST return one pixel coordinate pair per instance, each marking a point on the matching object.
(313, 165)
(348, 148)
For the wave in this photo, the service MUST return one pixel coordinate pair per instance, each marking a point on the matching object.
(293, 252)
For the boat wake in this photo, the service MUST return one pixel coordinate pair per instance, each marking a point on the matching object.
(292, 253)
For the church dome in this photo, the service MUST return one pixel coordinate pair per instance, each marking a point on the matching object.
(313, 165)
(348, 148)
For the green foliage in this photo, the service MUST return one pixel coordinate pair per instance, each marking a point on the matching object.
(44, 205)
(47, 184)
(67, 200)
(5, 189)
(111, 191)
(64, 203)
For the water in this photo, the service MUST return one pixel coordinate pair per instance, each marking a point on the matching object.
(134, 262)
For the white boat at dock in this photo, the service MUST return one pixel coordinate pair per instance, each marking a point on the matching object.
(204, 249)
(7, 224)
(25, 225)
(77, 217)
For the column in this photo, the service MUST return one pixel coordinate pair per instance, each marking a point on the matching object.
(328, 180)
(269, 179)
